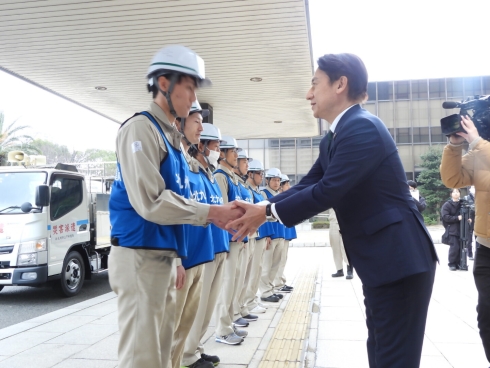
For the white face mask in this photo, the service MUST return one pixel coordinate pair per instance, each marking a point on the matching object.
(213, 158)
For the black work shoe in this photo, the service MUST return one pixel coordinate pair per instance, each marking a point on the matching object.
(201, 363)
(452, 268)
(339, 273)
(284, 289)
(240, 322)
(270, 299)
(211, 358)
(250, 317)
(349, 273)
(280, 296)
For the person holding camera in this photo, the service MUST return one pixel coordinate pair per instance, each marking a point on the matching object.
(474, 169)
(451, 218)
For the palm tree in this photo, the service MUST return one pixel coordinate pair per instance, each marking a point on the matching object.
(11, 140)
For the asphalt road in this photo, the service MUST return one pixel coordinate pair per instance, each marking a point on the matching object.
(20, 303)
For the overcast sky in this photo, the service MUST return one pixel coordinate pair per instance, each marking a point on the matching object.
(397, 40)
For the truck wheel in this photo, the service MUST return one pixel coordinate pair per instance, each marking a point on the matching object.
(72, 275)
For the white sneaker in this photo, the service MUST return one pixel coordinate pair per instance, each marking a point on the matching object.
(258, 309)
(263, 305)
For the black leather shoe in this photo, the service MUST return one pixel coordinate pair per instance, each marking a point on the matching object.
(280, 296)
(250, 317)
(201, 363)
(349, 273)
(271, 299)
(339, 273)
(211, 358)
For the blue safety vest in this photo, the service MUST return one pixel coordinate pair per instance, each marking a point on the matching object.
(133, 231)
(290, 233)
(267, 228)
(220, 237)
(279, 232)
(234, 193)
(200, 242)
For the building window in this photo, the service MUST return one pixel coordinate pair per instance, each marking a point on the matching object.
(419, 90)
(273, 142)
(436, 135)
(287, 143)
(371, 90)
(421, 135)
(437, 88)
(304, 142)
(404, 135)
(316, 141)
(402, 90)
(385, 91)
(455, 87)
(472, 86)
(486, 85)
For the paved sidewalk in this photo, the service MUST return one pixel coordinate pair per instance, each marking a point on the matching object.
(85, 334)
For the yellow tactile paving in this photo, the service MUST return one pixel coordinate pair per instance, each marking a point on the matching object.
(285, 348)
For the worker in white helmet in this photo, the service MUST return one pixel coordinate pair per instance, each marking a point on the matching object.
(272, 256)
(289, 234)
(242, 315)
(226, 331)
(259, 243)
(207, 154)
(148, 207)
(200, 243)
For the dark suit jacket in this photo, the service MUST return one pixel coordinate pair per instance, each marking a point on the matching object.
(363, 180)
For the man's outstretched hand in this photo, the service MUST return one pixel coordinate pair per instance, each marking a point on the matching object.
(248, 223)
(222, 215)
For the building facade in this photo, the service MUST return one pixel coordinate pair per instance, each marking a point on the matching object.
(410, 109)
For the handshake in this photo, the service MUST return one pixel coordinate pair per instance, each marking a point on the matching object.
(239, 218)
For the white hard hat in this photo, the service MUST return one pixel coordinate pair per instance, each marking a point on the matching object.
(230, 143)
(284, 178)
(180, 59)
(211, 132)
(196, 107)
(255, 165)
(273, 173)
(244, 154)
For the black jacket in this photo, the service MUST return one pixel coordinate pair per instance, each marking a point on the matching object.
(421, 204)
(449, 213)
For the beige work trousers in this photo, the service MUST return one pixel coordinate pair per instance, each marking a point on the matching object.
(188, 300)
(270, 266)
(337, 246)
(211, 287)
(240, 307)
(251, 299)
(144, 281)
(280, 279)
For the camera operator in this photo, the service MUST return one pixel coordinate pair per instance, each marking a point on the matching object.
(474, 169)
(470, 200)
(418, 199)
(451, 217)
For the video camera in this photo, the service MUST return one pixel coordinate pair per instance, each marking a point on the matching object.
(480, 105)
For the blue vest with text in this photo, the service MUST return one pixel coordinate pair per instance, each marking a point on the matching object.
(267, 228)
(132, 230)
(200, 243)
(234, 193)
(279, 232)
(220, 237)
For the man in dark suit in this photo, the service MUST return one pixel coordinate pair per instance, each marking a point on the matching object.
(360, 175)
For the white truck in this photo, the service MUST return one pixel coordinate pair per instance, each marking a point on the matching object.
(53, 229)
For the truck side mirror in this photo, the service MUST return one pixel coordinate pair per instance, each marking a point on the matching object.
(42, 195)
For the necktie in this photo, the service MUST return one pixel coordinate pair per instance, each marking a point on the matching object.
(329, 140)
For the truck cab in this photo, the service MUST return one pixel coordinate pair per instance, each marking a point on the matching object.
(52, 229)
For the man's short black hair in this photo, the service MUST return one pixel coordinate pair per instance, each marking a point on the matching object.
(154, 90)
(350, 66)
(412, 184)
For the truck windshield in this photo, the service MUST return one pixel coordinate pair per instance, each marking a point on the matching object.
(17, 188)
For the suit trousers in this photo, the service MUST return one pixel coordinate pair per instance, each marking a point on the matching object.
(280, 279)
(251, 299)
(240, 306)
(188, 300)
(481, 273)
(144, 281)
(229, 291)
(337, 245)
(270, 266)
(396, 314)
(211, 287)
(453, 256)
